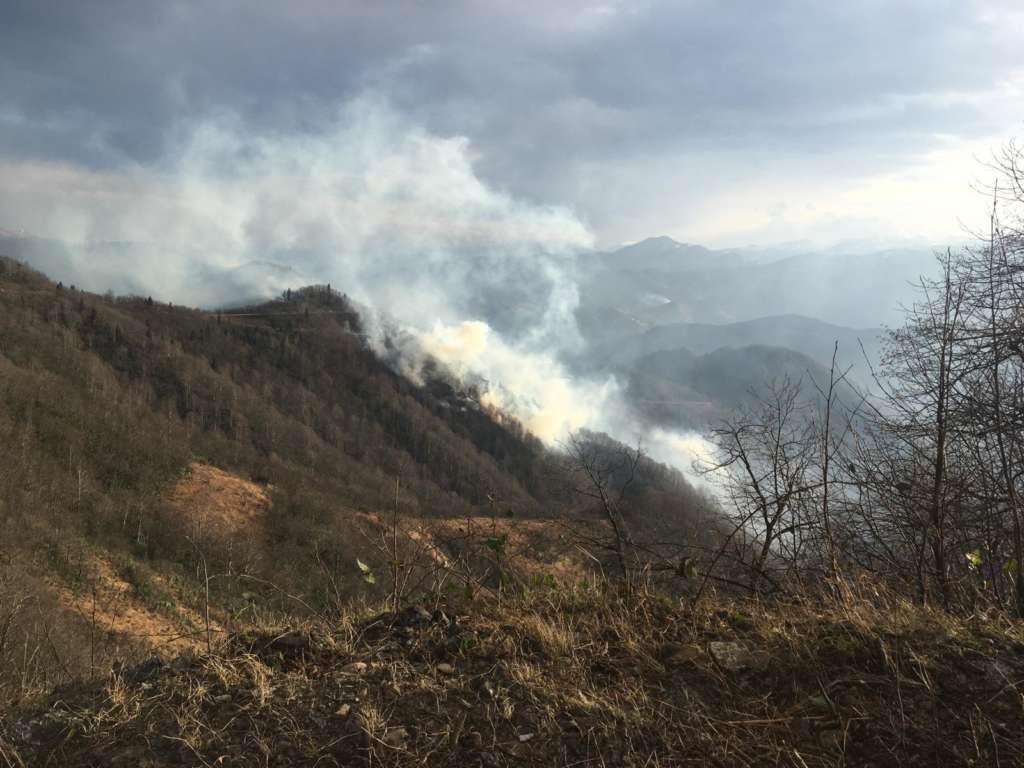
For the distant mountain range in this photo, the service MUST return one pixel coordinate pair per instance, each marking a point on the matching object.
(665, 254)
(692, 329)
(659, 281)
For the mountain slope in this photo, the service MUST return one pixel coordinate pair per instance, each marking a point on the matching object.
(237, 539)
(683, 388)
(158, 451)
(808, 336)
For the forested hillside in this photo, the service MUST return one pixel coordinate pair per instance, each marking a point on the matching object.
(152, 452)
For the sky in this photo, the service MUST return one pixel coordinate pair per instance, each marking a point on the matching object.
(725, 123)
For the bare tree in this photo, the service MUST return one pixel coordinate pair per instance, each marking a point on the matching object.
(905, 470)
(765, 457)
(602, 474)
(992, 397)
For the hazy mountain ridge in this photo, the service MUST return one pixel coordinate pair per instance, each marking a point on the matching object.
(848, 289)
(658, 280)
(659, 295)
(812, 337)
(651, 296)
(694, 390)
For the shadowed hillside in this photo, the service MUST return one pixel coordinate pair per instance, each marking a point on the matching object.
(680, 387)
(805, 335)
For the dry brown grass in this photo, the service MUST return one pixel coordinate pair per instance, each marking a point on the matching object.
(566, 676)
(216, 502)
(110, 608)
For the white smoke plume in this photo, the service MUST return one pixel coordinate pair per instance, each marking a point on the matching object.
(394, 216)
(530, 385)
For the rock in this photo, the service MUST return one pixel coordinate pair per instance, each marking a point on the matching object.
(44, 728)
(735, 655)
(183, 662)
(525, 737)
(143, 672)
(344, 711)
(396, 737)
(445, 668)
(355, 668)
(676, 654)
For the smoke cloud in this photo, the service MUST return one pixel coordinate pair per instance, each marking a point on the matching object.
(382, 209)
(531, 385)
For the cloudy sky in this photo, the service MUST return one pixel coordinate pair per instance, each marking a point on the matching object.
(729, 122)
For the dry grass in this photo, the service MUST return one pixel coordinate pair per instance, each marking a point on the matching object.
(581, 676)
(111, 607)
(216, 502)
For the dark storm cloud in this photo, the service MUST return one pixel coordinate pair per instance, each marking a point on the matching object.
(542, 89)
